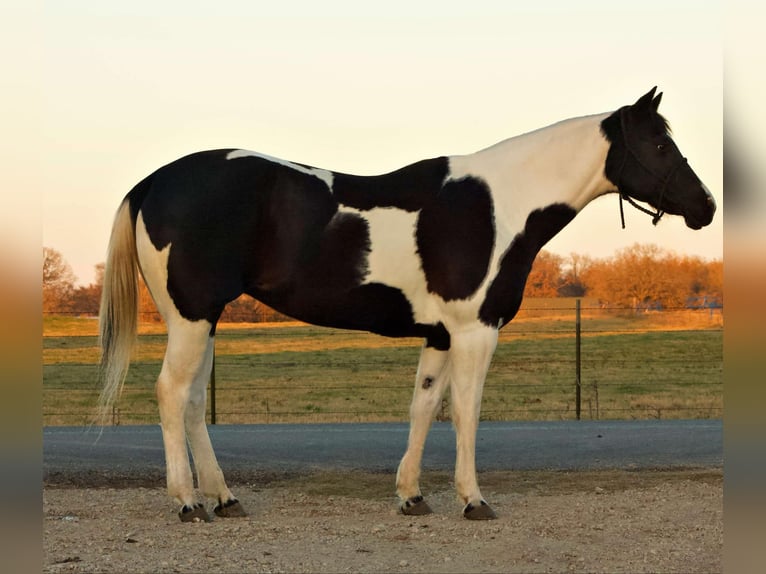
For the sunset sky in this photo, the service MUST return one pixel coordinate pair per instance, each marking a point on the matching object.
(360, 88)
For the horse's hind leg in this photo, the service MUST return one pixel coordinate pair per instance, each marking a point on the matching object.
(430, 383)
(181, 393)
(185, 360)
(209, 475)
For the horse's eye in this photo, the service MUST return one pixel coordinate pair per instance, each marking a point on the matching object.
(660, 147)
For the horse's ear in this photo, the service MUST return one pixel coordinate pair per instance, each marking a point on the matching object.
(645, 100)
(656, 101)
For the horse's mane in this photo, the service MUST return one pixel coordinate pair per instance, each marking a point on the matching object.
(663, 123)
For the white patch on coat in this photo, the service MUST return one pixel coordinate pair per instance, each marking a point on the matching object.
(394, 260)
(323, 174)
(561, 163)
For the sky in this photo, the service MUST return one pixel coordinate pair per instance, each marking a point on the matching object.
(358, 87)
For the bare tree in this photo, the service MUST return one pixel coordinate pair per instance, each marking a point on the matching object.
(58, 282)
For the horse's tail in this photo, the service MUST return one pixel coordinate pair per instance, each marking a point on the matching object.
(118, 315)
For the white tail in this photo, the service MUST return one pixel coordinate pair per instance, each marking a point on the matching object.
(118, 315)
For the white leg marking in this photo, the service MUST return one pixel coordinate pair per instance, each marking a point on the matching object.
(209, 474)
(470, 356)
(185, 358)
(430, 384)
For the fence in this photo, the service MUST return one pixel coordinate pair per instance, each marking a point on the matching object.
(616, 364)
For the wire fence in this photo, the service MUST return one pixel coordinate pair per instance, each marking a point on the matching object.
(649, 364)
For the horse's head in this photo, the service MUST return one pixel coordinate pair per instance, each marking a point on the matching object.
(646, 165)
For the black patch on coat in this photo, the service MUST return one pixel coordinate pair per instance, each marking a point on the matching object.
(338, 260)
(228, 226)
(455, 236)
(373, 307)
(506, 290)
(408, 188)
(612, 129)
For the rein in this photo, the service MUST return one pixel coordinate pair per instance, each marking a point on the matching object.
(656, 215)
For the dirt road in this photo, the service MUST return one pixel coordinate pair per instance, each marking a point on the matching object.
(586, 521)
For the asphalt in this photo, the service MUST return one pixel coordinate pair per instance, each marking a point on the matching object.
(135, 453)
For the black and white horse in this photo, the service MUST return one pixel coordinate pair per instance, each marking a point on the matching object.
(439, 249)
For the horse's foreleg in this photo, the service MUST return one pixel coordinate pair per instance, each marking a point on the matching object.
(470, 356)
(430, 383)
(209, 475)
(185, 358)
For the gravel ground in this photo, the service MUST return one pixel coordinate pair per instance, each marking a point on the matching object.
(601, 521)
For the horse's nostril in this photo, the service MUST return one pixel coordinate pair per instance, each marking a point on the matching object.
(708, 196)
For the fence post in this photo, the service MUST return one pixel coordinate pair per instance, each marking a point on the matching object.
(212, 390)
(578, 386)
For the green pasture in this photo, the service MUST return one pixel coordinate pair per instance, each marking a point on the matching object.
(632, 367)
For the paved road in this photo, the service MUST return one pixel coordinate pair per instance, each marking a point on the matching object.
(134, 453)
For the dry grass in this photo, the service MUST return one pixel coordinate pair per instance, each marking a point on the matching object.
(645, 366)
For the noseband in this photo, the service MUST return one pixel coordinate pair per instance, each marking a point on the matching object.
(665, 181)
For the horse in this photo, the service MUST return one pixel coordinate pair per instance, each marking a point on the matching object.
(439, 250)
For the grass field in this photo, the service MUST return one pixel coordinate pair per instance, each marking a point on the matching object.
(654, 365)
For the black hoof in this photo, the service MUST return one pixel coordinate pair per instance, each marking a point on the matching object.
(415, 506)
(195, 514)
(229, 509)
(482, 512)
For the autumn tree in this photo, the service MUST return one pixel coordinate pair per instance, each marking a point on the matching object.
(86, 299)
(705, 280)
(644, 276)
(545, 278)
(58, 282)
(714, 280)
(246, 309)
(575, 267)
(633, 277)
(243, 309)
(147, 310)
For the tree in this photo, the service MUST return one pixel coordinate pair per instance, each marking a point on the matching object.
(644, 276)
(572, 281)
(58, 282)
(245, 309)
(147, 310)
(544, 279)
(86, 300)
(634, 277)
(705, 280)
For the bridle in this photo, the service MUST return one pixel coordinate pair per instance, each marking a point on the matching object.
(665, 181)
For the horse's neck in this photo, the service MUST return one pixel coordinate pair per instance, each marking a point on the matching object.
(562, 163)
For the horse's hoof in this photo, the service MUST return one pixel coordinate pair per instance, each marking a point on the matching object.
(229, 509)
(482, 512)
(415, 506)
(195, 514)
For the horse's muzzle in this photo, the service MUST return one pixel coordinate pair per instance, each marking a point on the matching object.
(705, 215)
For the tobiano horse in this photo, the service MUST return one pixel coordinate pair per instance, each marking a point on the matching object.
(438, 250)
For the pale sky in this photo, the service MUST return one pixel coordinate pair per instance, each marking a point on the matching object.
(360, 88)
